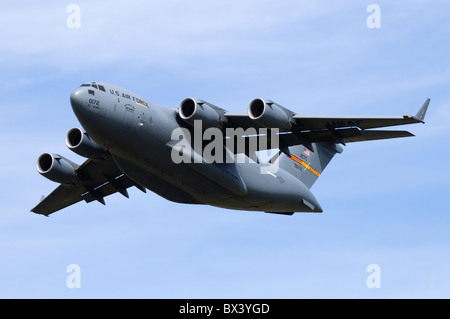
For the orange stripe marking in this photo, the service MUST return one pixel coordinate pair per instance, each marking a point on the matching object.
(304, 164)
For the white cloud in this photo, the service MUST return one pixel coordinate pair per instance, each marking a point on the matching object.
(113, 31)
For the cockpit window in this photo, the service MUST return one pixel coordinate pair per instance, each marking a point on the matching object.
(98, 87)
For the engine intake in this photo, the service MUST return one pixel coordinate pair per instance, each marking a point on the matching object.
(191, 110)
(270, 114)
(81, 143)
(57, 168)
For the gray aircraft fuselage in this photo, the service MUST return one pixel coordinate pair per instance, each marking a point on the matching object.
(138, 135)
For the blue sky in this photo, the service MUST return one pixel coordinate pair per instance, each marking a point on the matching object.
(385, 202)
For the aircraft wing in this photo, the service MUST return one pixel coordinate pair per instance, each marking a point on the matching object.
(308, 129)
(97, 178)
(305, 122)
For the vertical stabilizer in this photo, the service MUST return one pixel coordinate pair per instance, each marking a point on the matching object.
(305, 164)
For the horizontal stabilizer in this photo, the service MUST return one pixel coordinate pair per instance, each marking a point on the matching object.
(281, 213)
(377, 135)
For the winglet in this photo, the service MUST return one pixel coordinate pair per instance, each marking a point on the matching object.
(423, 110)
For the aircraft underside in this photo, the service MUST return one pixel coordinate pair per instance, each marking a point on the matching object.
(186, 185)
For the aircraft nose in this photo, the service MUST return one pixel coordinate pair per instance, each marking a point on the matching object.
(76, 98)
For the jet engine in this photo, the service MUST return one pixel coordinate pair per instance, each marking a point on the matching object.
(270, 114)
(191, 110)
(56, 168)
(81, 143)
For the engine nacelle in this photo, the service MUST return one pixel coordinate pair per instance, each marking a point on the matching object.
(192, 109)
(81, 143)
(270, 114)
(57, 168)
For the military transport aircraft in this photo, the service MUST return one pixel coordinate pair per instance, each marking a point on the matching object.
(129, 141)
